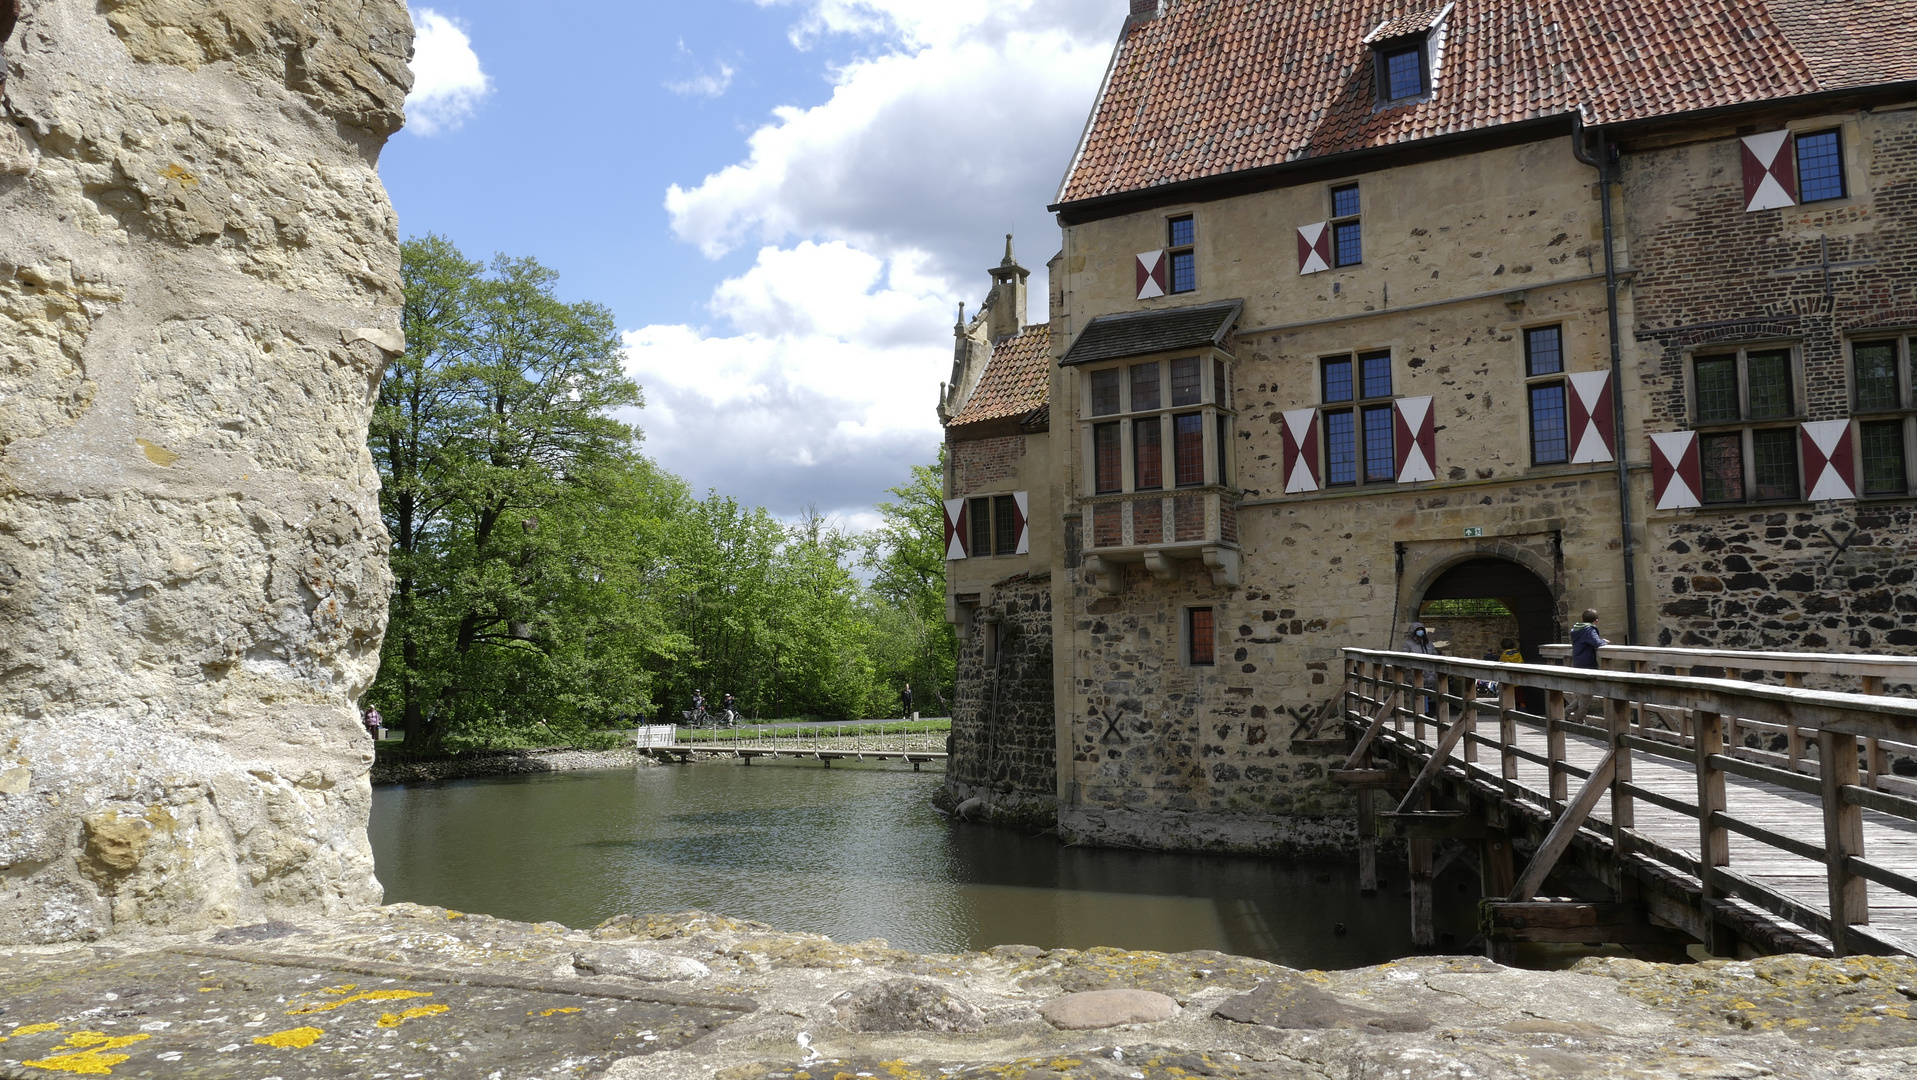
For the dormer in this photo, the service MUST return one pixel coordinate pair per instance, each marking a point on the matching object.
(1406, 53)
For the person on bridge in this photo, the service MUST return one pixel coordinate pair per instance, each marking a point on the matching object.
(1585, 641)
(1418, 640)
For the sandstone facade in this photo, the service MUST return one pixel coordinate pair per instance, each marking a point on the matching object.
(1337, 349)
(199, 290)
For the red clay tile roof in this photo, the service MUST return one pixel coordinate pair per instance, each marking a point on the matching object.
(1219, 86)
(1410, 23)
(1017, 379)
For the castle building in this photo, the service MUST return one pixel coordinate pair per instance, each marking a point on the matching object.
(1476, 314)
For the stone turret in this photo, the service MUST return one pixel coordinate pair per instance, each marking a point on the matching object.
(1001, 316)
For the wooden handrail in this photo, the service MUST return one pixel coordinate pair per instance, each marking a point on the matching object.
(1889, 667)
(1685, 722)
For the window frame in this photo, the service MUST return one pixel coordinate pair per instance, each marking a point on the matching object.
(1336, 222)
(1900, 417)
(1797, 163)
(1213, 397)
(1535, 381)
(1357, 406)
(992, 524)
(1191, 636)
(1382, 54)
(1175, 251)
(1749, 429)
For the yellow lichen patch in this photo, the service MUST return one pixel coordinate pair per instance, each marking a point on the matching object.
(370, 995)
(180, 176)
(393, 1020)
(34, 1029)
(292, 1038)
(89, 1055)
(207, 989)
(157, 454)
(899, 1070)
(550, 1012)
(342, 988)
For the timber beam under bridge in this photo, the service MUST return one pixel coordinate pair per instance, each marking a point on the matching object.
(1745, 802)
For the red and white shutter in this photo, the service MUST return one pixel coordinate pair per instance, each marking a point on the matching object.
(1830, 461)
(1590, 426)
(1417, 440)
(1676, 476)
(1022, 500)
(1314, 247)
(1151, 274)
(1301, 451)
(955, 529)
(1770, 171)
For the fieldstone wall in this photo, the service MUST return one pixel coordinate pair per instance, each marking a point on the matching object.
(1003, 744)
(1829, 576)
(199, 290)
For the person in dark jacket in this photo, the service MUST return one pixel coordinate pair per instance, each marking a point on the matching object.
(1418, 640)
(905, 701)
(1585, 641)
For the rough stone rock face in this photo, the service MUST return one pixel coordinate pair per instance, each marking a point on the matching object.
(199, 290)
(283, 1000)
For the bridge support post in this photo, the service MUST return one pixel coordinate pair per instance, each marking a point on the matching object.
(1367, 842)
(1424, 932)
(1843, 838)
(1714, 841)
(1623, 806)
(1499, 875)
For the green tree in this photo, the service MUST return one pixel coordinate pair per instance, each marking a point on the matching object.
(514, 499)
(906, 557)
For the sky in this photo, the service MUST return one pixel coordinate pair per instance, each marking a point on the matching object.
(781, 201)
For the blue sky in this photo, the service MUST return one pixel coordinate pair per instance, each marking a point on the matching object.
(782, 201)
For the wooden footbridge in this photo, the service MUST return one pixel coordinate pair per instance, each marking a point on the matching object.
(667, 744)
(1743, 801)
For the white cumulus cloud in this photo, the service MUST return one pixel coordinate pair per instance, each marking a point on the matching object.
(874, 213)
(448, 82)
(825, 384)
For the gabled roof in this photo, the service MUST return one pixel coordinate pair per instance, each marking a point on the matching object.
(1219, 86)
(1017, 380)
(1136, 333)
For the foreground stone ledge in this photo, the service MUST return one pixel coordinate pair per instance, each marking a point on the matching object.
(407, 989)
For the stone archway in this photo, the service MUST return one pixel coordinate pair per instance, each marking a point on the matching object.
(1530, 600)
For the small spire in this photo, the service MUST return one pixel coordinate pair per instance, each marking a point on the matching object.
(961, 315)
(1009, 261)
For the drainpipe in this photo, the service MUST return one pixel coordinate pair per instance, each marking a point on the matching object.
(1604, 162)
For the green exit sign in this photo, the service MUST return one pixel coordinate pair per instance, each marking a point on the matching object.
(1474, 530)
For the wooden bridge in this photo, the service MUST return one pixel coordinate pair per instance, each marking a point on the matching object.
(1673, 798)
(665, 743)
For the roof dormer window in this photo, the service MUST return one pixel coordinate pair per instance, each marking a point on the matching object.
(1404, 54)
(1402, 72)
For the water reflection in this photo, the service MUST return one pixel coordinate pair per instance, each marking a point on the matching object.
(857, 853)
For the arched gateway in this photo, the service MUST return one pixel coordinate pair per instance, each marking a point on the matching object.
(1532, 607)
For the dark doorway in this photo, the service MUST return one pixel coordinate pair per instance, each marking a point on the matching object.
(1531, 608)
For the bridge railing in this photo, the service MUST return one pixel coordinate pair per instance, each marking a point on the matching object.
(1558, 725)
(1853, 672)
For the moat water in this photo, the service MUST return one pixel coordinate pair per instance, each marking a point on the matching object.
(859, 853)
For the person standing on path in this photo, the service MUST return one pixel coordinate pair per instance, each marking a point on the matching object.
(905, 701)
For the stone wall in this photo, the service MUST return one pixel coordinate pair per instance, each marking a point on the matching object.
(978, 465)
(199, 290)
(1792, 575)
(1003, 746)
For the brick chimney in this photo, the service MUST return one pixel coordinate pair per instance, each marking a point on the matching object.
(1006, 308)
